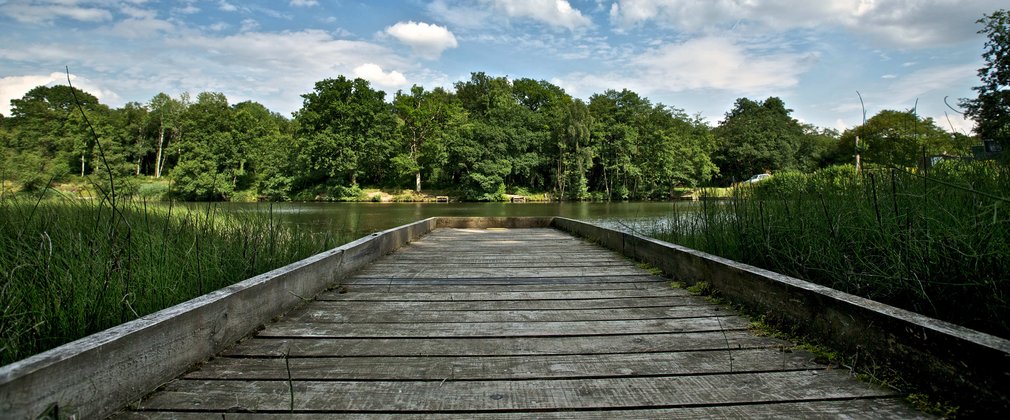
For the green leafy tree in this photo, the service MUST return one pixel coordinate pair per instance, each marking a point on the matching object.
(426, 119)
(208, 163)
(757, 137)
(991, 108)
(345, 130)
(266, 150)
(493, 148)
(616, 116)
(49, 136)
(165, 115)
(575, 155)
(901, 138)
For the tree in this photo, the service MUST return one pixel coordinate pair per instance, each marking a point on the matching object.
(426, 118)
(345, 129)
(900, 138)
(208, 163)
(165, 114)
(50, 140)
(991, 108)
(757, 137)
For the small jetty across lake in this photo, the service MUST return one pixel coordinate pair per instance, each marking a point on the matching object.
(525, 322)
(503, 318)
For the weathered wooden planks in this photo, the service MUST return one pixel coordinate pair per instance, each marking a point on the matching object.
(507, 395)
(518, 322)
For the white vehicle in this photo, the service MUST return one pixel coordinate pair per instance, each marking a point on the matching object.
(758, 178)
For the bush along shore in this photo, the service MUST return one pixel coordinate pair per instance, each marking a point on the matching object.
(934, 241)
(70, 267)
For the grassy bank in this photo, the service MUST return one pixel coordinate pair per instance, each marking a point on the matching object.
(71, 267)
(936, 242)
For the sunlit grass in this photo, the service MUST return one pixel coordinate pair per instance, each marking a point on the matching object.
(935, 242)
(71, 267)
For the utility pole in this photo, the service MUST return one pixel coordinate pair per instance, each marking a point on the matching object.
(859, 167)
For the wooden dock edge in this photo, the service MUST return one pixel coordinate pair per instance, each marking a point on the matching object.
(967, 367)
(97, 375)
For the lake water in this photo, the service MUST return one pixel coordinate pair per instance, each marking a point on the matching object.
(360, 219)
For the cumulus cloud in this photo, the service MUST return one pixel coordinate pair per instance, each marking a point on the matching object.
(15, 87)
(706, 64)
(555, 13)
(425, 39)
(304, 3)
(224, 6)
(26, 11)
(374, 73)
(719, 63)
(907, 23)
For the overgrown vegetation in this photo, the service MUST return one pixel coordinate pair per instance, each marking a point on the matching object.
(935, 242)
(70, 267)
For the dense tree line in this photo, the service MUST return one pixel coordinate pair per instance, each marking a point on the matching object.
(486, 137)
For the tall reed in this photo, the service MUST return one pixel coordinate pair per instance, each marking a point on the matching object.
(935, 242)
(71, 267)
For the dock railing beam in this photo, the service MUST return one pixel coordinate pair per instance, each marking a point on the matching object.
(967, 367)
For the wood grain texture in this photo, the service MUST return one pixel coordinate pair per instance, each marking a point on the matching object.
(514, 323)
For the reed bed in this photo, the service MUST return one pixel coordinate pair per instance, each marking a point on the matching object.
(71, 267)
(936, 242)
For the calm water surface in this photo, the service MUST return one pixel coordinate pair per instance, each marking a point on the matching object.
(360, 219)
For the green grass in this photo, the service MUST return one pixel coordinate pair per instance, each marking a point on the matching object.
(71, 267)
(937, 242)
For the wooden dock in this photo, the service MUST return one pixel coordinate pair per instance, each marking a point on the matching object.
(515, 323)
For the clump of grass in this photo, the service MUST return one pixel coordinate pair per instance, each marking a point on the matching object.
(70, 267)
(936, 242)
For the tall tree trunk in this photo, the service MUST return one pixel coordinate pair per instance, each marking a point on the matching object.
(157, 157)
(417, 181)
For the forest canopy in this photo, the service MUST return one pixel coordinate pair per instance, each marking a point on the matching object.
(486, 137)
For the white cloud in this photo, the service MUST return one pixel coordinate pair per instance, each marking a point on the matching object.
(719, 63)
(555, 13)
(926, 82)
(907, 23)
(15, 87)
(249, 25)
(48, 11)
(140, 28)
(189, 9)
(304, 3)
(224, 6)
(373, 73)
(425, 39)
(552, 12)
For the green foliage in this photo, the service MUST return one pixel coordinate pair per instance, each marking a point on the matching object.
(782, 184)
(757, 137)
(991, 108)
(75, 267)
(901, 138)
(933, 243)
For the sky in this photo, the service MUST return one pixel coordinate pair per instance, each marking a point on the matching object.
(699, 55)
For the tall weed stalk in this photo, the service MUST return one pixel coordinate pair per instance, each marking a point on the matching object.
(936, 243)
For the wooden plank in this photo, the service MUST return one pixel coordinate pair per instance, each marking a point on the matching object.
(350, 294)
(322, 312)
(496, 346)
(500, 329)
(505, 367)
(451, 395)
(396, 266)
(869, 409)
(469, 272)
(503, 281)
(420, 287)
(506, 305)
